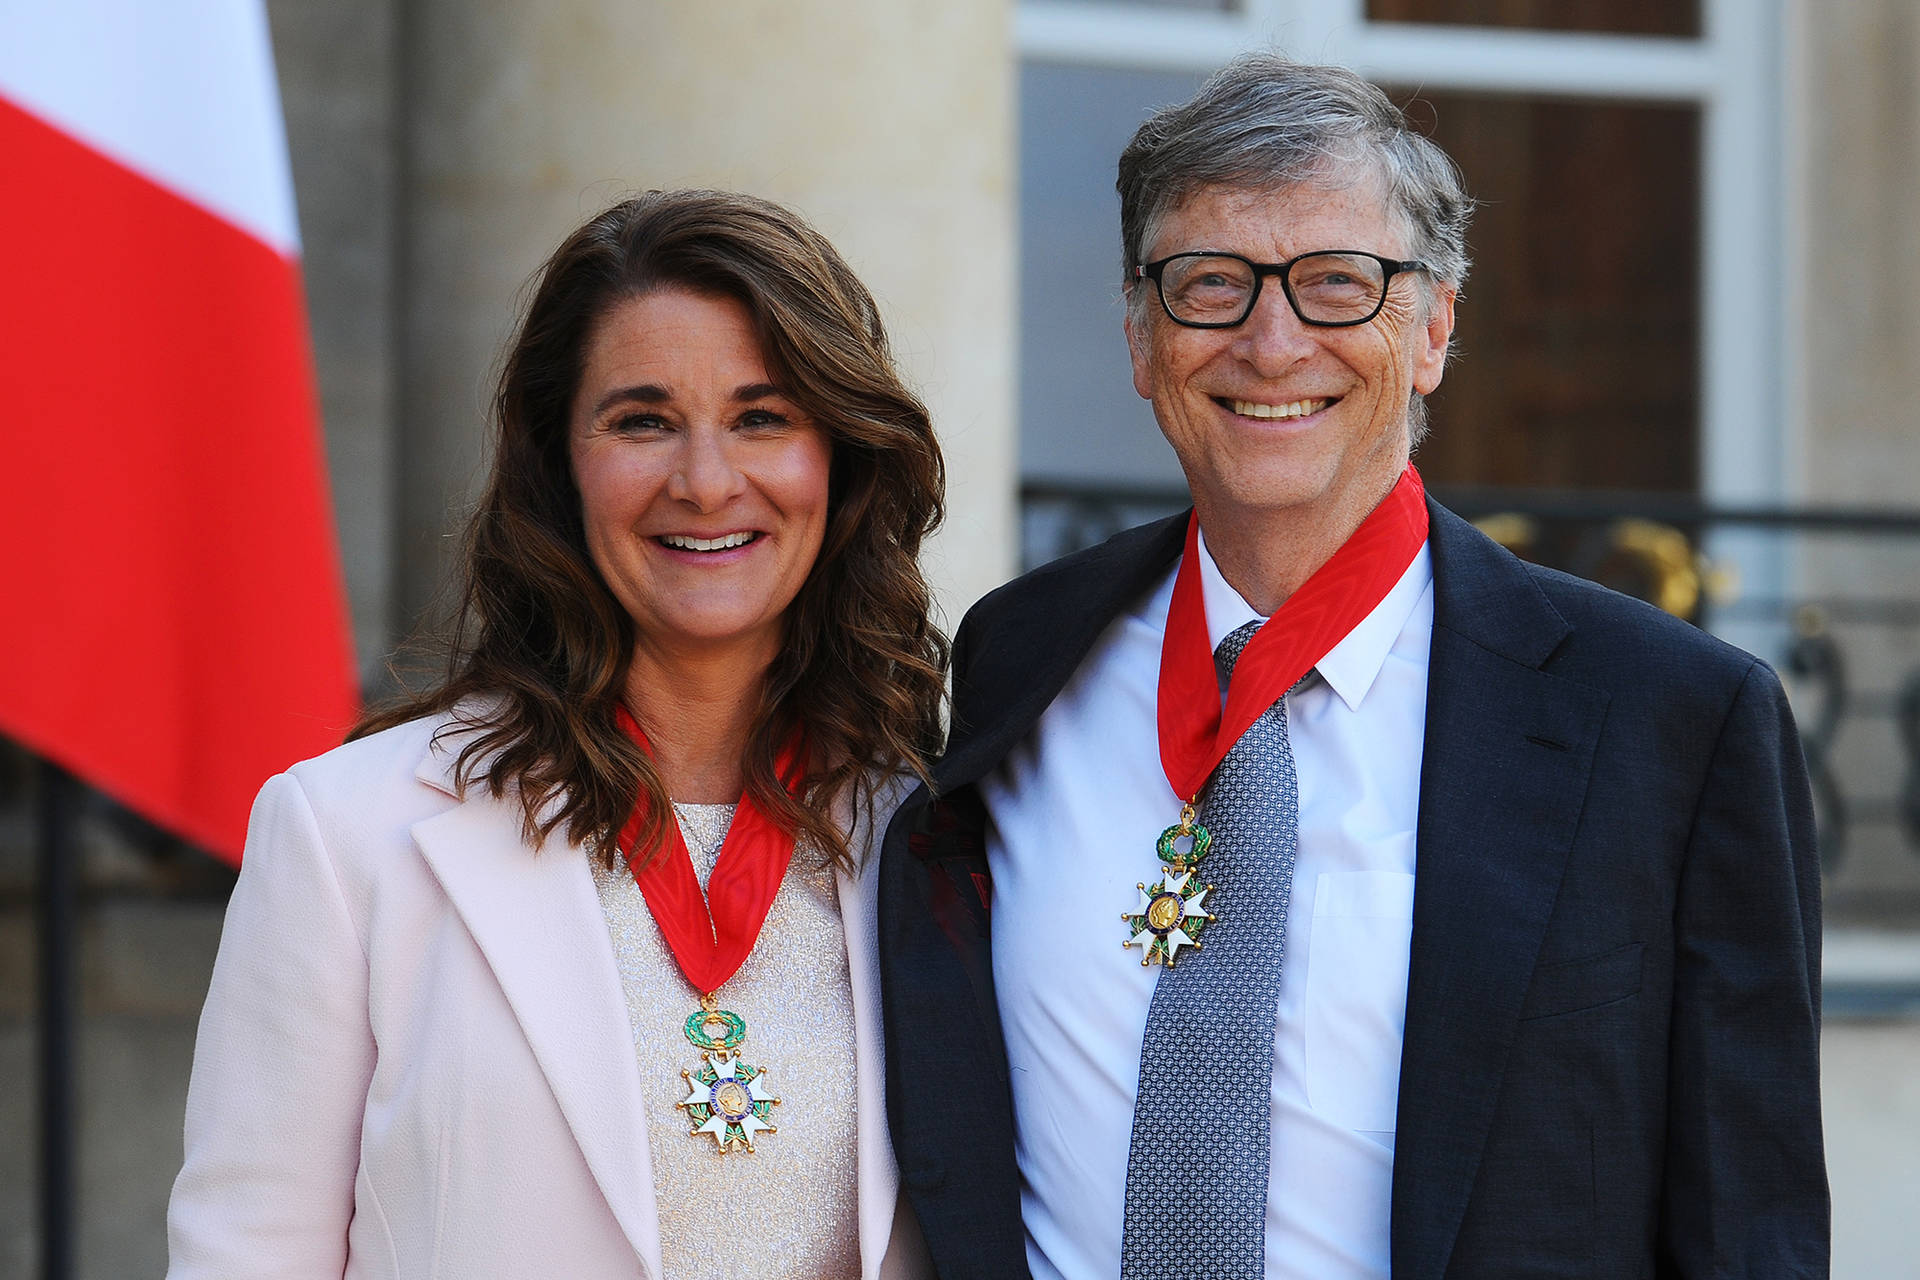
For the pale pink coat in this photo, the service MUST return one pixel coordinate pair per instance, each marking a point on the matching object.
(415, 1059)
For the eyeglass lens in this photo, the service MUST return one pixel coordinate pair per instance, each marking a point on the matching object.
(1331, 288)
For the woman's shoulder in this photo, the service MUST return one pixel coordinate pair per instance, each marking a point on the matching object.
(385, 780)
(398, 750)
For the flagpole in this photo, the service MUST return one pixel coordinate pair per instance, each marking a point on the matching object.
(56, 902)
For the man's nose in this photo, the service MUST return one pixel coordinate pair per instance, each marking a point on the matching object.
(705, 476)
(1272, 337)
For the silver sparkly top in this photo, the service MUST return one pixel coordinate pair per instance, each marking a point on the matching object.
(791, 1207)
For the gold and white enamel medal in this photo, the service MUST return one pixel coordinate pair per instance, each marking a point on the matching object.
(727, 1098)
(1172, 913)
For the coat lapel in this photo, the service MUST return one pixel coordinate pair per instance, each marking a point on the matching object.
(1503, 779)
(538, 922)
(879, 1179)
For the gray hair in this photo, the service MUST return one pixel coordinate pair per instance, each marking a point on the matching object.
(1264, 122)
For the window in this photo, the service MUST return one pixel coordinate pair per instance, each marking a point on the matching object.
(1628, 281)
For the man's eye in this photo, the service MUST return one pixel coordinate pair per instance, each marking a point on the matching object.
(1328, 279)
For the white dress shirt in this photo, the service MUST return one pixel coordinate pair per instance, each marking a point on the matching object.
(1076, 809)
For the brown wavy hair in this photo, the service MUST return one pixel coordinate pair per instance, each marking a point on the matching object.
(540, 647)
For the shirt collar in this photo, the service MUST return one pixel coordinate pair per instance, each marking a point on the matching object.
(1352, 665)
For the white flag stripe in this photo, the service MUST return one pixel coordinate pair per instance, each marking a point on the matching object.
(180, 91)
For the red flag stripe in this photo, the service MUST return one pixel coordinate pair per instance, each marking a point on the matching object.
(174, 627)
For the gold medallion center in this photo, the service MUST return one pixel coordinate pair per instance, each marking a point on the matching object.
(1165, 911)
(732, 1100)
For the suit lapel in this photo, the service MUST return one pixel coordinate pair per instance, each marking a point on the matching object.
(1503, 779)
(538, 922)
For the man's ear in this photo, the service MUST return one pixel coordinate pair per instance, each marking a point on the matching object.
(1430, 358)
(1138, 349)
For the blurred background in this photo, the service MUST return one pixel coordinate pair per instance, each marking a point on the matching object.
(1684, 368)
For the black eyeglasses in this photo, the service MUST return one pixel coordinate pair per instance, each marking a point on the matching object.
(1331, 288)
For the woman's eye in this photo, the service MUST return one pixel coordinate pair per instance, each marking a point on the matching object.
(762, 418)
(638, 424)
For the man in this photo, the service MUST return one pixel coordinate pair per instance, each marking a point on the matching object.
(1461, 922)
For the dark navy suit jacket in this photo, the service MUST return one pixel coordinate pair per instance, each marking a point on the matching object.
(1610, 1066)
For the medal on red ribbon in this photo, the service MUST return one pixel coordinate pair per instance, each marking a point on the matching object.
(711, 935)
(1196, 731)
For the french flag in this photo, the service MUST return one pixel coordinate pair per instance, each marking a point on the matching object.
(173, 625)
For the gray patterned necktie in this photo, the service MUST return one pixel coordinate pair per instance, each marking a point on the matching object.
(1198, 1169)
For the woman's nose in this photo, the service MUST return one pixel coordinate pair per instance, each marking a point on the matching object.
(705, 476)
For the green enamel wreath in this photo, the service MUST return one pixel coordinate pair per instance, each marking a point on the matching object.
(697, 1031)
(1202, 841)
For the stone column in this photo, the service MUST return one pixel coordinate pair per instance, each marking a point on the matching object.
(888, 123)
(1858, 323)
(337, 80)
(1853, 329)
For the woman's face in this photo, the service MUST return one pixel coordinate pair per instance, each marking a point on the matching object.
(703, 489)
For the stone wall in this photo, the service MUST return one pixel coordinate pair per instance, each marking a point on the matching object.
(1853, 182)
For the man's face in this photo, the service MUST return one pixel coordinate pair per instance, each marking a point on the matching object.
(1276, 416)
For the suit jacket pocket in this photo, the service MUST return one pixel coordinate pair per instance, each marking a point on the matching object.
(1573, 985)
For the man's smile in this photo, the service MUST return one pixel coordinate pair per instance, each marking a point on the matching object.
(1288, 409)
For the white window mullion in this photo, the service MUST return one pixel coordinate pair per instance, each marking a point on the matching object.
(1742, 458)
(1129, 36)
(1743, 446)
(1316, 30)
(1641, 68)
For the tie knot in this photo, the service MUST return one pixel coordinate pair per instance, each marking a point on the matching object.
(1231, 648)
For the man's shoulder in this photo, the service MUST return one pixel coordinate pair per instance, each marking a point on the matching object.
(1599, 636)
(1139, 552)
(1022, 642)
(1653, 663)
(1607, 620)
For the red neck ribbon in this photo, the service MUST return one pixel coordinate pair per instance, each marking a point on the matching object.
(1195, 733)
(712, 934)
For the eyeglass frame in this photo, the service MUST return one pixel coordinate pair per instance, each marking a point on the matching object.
(1261, 270)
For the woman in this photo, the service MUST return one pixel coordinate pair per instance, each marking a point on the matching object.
(473, 1014)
